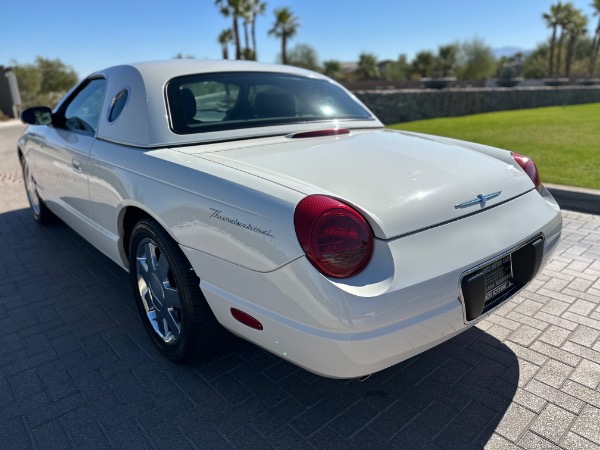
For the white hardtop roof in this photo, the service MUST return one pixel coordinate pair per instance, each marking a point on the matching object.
(171, 68)
(144, 122)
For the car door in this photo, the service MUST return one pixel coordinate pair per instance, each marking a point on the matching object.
(62, 164)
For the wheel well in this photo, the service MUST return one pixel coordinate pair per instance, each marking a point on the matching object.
(131, 216)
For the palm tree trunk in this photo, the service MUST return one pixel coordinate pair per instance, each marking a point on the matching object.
(283, 46)
(592, 62)
(236, 34)
(253, 29)
(569, 58)
(594, 56)
(559, 50)
(552, 44)
(246, 39)
(596, 50)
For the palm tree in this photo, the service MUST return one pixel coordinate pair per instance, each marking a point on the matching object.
(565, 16)
(332, 68)
(596, 44)
(575, 28)
(245, 13)
(234, 9)
(367, 67)
(285, 26)
(423, 63)
(225, 39)
(254, 8)
(446, 60)
(552, 20)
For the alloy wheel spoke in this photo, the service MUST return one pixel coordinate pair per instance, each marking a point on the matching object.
(171, 296)
(160, 323)
(174, 326)
(162, 268)
(150, 256)
(142, 266)
(143, 273)
(142, 285)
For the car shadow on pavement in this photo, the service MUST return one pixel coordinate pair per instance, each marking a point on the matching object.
(77, 369)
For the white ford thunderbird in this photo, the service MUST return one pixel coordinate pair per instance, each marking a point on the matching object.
(268, 201)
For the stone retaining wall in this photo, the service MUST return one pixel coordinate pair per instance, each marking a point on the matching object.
(415, 104)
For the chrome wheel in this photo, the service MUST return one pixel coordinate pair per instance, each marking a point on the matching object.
(167, 294)
(34, 200)
(158, 291)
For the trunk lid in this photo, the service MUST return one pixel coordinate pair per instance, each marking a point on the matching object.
(401, 182)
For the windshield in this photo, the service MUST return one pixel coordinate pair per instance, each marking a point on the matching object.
(228, 101)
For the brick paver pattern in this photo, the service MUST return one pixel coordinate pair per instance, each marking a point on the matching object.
(78, 370)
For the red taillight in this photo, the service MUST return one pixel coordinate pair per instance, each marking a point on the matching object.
(529, 167)
(337, 240)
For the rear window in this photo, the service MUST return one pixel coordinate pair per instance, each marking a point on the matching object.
(228, 101)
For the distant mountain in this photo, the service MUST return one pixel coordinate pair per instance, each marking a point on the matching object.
(508, 51)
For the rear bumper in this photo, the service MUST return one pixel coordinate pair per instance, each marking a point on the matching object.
(407, 301)
(339, 354)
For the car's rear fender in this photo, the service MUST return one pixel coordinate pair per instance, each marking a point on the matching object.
(229, 214)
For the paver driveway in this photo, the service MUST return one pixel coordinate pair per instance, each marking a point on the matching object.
(77, 370)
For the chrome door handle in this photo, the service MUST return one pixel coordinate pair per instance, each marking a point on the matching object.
(76, 165)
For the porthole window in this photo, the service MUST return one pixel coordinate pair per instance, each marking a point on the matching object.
(118, 105)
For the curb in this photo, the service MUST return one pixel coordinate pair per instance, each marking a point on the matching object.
(575, 198)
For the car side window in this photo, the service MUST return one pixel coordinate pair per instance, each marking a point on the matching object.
(118, 105)
(83, 111)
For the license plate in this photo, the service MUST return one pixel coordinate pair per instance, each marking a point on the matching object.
(498, 278)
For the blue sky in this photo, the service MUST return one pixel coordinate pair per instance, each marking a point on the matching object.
(93, 35)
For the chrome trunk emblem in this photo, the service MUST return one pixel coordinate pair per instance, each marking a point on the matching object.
(481, 199)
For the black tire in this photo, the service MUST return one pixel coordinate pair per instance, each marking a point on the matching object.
(39, 210)
(199, 333)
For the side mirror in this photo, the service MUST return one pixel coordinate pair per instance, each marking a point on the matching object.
(38, 115)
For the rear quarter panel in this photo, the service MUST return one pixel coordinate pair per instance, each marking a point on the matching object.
(203, 205)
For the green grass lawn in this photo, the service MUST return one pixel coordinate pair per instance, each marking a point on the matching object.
(563, 141)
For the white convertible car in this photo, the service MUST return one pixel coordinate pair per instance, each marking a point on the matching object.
(268, 201)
